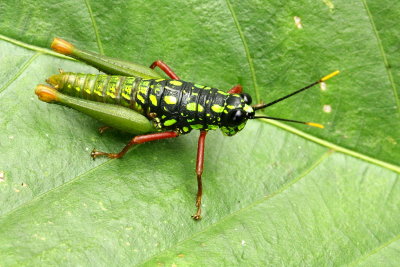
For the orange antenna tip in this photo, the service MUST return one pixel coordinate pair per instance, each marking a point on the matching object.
(327, 77)
(61, 46)
(315, 125)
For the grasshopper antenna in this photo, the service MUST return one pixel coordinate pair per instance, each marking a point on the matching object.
(280, 119)
(261, 106)
(323, 79)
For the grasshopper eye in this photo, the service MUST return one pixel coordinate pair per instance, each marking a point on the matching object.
(246, 98)
(236, 116)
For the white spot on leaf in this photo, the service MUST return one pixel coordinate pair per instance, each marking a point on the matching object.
(323, 86)
(327, 108)
(297, 21)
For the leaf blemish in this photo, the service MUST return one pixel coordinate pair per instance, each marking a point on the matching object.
(329, 4)
(323, 86)
(102, 206)
(327, 108)
(297, 21)
(2, 177)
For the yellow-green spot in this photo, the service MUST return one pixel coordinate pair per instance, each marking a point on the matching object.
(125, 96)
(241, 126)
(207, 88)
(185, 129)
(191, 106)
(98, 92)
(143, 90)
(248, 109)
(160, 80)
(69, 86)
(208, 114)
(163, 117)
(199, 86)
(112, 95)
(153, 100)
(177, 83)
(169, 122)
(230, 106)
(78, 88)
(217, 108)
(128, 89)
(195, 93)
(196, 126)
(141, 99)
(169, 99)
(222, 93)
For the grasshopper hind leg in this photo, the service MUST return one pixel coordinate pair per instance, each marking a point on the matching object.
(165, 68)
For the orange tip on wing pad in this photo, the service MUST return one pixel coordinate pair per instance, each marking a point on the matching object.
(46, 93)
(61, 46)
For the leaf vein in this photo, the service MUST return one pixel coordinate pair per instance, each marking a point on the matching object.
(375, 250)
(255, 203)
(246, 49)
(383, 53)
(332, 146)
(96, 31)
(20, 71)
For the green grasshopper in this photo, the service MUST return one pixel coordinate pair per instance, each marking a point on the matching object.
(137, 100)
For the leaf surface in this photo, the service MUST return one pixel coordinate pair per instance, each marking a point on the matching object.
(275, 193)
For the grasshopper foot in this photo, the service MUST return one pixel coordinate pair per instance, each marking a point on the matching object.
(103, 129)
(197, 216)
(96, 154)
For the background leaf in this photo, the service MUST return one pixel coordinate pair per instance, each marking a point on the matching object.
(276, 194)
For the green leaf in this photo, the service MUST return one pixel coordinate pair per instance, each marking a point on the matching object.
(276, 194)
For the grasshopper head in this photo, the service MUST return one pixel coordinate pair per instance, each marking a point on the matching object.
(236, 113)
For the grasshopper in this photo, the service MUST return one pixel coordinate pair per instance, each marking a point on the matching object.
(136, 99)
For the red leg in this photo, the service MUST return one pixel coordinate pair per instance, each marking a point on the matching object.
(199, 172)
(136, 140)
(164, 68)
(237, 89)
